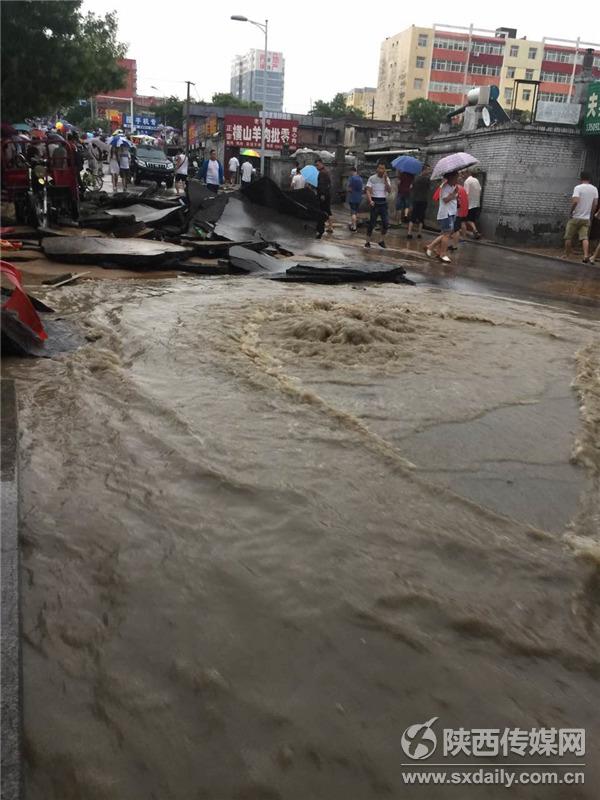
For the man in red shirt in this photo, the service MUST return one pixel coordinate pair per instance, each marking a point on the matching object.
(405, 184)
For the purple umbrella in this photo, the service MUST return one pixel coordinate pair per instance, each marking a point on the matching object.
(452, 163)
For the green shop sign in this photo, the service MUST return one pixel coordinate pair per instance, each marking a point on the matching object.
(591, 119)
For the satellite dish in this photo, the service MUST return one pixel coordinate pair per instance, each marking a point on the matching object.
(485, 116)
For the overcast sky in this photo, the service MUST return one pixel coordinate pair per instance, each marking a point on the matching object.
(328, 46)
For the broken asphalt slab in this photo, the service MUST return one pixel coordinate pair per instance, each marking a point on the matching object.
(131, 253)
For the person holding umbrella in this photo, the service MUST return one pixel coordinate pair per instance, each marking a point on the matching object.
(420, 196)
(446, 216)
(324, 195)
(378, 188)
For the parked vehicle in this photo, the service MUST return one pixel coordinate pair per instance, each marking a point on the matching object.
(151, 163)
(14, 173)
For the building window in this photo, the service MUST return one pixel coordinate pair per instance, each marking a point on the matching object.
(526, 95)
(447, 66)
(555, 77)
(447, 88)
(508, 94)
(449, 44)
(528, 74)
(420, 62)
(418, 83)
(533, 52)
(422, 40)
(483, 69)
(561, 56)
(487, 47)
(510, 72)
(514, 50)
(553, 97)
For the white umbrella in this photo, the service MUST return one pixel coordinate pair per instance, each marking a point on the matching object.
(453, 163)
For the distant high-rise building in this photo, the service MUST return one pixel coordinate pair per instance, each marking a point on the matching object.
(248, 75)
(444, 62)
(363, 99)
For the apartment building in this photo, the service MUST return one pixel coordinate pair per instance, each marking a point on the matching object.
(248, 75)
(443, 63)
(363, 99)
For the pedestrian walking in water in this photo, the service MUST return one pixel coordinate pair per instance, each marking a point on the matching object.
(419, 198)
(446, 215)
(378, 188)
(584, 205)
(324, 195)
(354, 192)
(473, 190)
(405, 183)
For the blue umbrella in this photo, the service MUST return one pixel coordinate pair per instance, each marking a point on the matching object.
(310, 174)
(408, 164)
(117, 141)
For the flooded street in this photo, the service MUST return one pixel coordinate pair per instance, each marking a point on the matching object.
(268, 527)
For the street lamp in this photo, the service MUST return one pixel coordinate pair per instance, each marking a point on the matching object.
(265, 29)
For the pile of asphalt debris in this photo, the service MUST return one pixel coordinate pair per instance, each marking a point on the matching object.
(254, 231)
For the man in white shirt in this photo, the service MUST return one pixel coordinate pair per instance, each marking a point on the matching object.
(378, 188)
(473, 190)
(247, 172)
(181, 171)
(234, 166)
(212, 172)
(584, 205)
(298, 181)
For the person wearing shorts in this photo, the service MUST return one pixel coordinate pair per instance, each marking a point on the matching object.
(378, 188)
(584, 205)
(124, 165)
(473, 190)
(446, 216)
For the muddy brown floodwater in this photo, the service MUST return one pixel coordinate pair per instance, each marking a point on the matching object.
(267, 528)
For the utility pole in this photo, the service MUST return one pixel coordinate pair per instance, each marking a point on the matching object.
(187, 119)
(373, 108)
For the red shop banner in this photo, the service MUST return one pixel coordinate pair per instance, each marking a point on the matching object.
(245, 132)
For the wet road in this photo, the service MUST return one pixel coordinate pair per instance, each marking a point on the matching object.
(268, 527)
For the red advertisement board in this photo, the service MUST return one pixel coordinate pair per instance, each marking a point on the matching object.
(245, 132)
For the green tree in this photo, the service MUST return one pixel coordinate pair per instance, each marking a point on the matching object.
(226, 99)
(426, 115)
(52, 54)
(335, 108)
(170, 112)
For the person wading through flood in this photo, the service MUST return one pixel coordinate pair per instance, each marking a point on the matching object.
(445, 216)
(473, 190)
(405, 184)
(462, 213)
(378, 188)
(324, 195)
